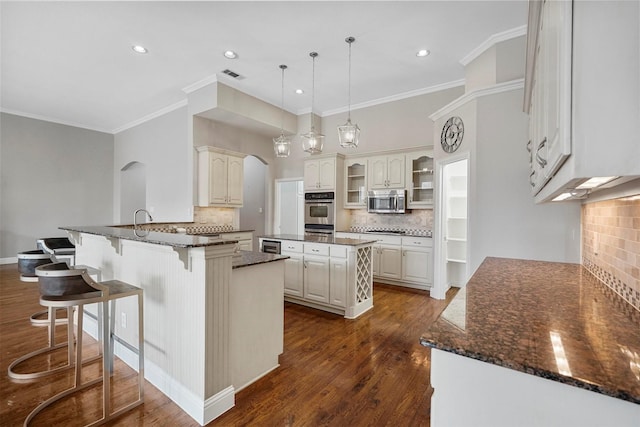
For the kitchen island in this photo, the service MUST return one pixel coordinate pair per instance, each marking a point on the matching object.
(328, 273)
(533, 343)
(213, 316)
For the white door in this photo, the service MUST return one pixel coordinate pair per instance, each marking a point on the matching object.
(289, 207)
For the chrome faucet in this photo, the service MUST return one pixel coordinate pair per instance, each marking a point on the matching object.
(135, 214)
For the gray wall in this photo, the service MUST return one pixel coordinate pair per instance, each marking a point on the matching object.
(254, 209)
(393, 125)
(51, 175)
(161, 144)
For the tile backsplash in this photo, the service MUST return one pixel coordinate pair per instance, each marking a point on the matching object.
(417, 219)
(611, 245)
(218, 216)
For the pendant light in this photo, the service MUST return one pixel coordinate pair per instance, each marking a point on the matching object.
(312, 142)
(282, 144)
(348, 133)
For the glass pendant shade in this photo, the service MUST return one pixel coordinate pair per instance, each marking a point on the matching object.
(348, 133)
(313, 142)
(282, 144)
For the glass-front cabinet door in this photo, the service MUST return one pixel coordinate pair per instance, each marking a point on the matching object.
(419, 170)
(355, 183)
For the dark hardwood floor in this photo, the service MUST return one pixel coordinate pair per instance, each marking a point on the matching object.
(336, 372)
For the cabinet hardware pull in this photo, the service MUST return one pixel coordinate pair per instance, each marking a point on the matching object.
(529, 146)
(542, 162)
(533, 184)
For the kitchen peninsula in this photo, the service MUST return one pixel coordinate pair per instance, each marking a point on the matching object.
(329, 273)
(534, 343)
(213, 316)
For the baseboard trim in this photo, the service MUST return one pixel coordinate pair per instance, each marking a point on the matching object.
(202, 411)
(10, 260)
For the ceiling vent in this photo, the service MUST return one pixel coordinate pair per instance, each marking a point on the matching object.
(232, 74)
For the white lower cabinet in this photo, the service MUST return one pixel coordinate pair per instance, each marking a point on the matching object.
(325, 276)
(417, 260)
(293, 274)
(316, 278)
(405, 261)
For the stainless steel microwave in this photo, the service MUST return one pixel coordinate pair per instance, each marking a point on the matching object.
(387, 201)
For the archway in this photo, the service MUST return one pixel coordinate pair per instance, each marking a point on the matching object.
(133, 190)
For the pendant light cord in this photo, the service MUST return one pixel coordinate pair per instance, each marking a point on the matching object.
(349, 40)
(282, 67)
(313, 87)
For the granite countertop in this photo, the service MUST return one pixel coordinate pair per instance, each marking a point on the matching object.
(511, 310)
(247, 258)
(168, 239)
(332, 240)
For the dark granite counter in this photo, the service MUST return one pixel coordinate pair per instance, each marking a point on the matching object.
(168, 239)
(320, 239)
(512, 313)
(247, 258)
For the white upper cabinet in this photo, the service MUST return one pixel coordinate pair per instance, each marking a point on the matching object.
(220, 177)
(320, 174)
(419, 179)
(581, 93)
(355, 183)
(550, 103)
(386, 171)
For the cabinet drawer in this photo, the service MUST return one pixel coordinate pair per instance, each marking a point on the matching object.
(423, 242)
(290, 246)
(314, 249)
(236, 236)
(338, 251)
(384, 239)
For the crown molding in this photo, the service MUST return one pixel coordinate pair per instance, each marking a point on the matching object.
(475, 94)
(200, 84)
(151, 116)
(492, 40)
(53, 120)
(397, 97)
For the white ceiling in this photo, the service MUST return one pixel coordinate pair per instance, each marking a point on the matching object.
(72, 63)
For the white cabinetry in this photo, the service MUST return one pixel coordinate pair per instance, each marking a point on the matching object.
(320, 174)
(316, 272)
(355, 183)
(220, 177)
(405, 261)
(386, 171)
(244, 238)
(293, 268)
(387, 261)
(419, 179)
(330, 277)
(550, 103)
(580, 105)
(417, 260)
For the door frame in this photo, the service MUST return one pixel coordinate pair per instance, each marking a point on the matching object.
(440, 286)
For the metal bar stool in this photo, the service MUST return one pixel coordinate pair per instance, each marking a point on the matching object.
(64, 287)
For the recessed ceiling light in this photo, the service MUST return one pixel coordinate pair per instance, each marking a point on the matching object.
(422, 52)
(299, 91)
(229, 54)
(139, 49)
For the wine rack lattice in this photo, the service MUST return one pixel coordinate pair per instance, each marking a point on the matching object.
(364, 276)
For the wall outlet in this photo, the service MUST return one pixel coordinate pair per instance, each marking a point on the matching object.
(123, 320)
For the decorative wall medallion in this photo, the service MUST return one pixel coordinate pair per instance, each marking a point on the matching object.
(452, 133)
